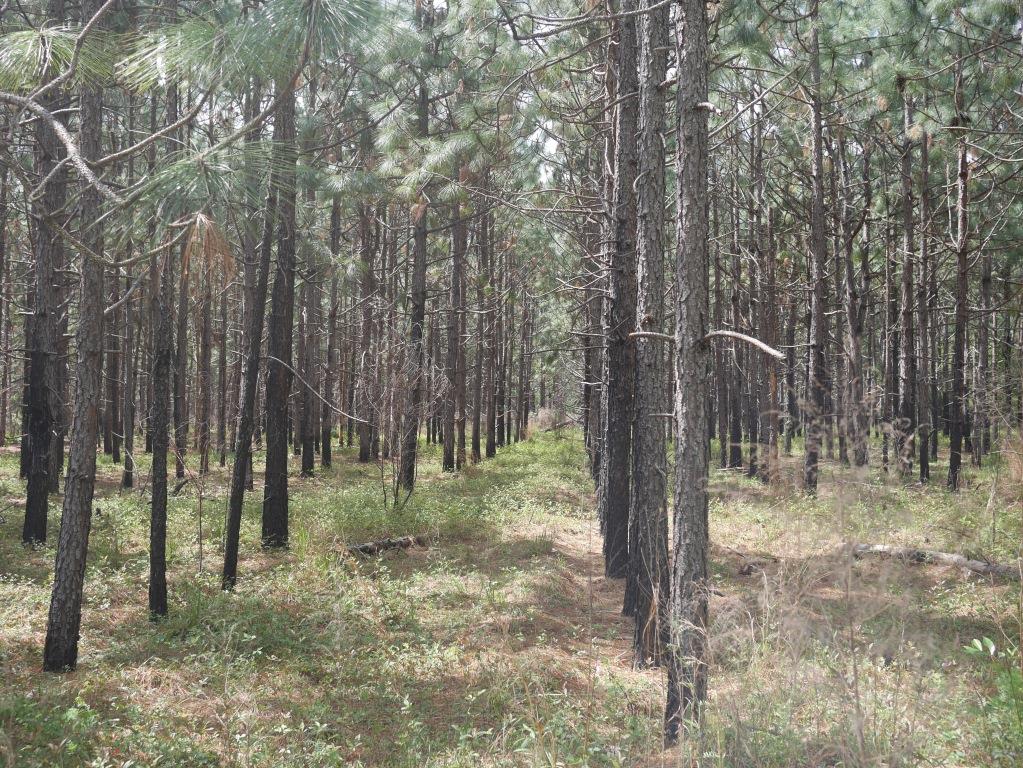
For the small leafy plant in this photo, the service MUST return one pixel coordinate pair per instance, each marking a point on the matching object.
(1004, 708)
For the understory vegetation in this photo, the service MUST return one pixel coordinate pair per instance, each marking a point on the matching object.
(500, 642)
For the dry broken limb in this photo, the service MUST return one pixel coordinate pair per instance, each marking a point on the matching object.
(765, 348)
(383, 545)
(1012, 571)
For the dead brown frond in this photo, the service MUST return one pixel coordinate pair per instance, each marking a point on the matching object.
(207, 246)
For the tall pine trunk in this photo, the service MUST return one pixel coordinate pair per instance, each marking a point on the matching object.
(453, 341)
(648, 515)
(330, 366)
(417, 302)
(280, 333)
(43, 405)
(367, 384)
(958, 404)
(689, 597)
(181, 373)
(250, 377)
(817, 377)
(61, 649)
(857, 290)
(620, 312)
(924, 358)
(906, 425)
(205, 377)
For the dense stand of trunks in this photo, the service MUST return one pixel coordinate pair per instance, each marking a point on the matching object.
(886, 317)
(848, 290)
(169, 332)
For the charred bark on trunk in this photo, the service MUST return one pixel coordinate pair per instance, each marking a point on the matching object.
(689, 598)
(61, 648)
(620, 313)
(280, 333)
(648, 514)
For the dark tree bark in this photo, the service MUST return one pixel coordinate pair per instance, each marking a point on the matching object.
(769, 464)
(309, 356)
(43, 326)
(791, 410)
(61, 649)
(837, 388)
(5, 309)
(475, 455)
(330, 372)
(492, 352)
(508, 356)
(129, 350)
(689, 598)
(249, 235)
(857, 292)
(753, 371)
(417, 298)
(982, 390)
(181, 373)
(112, 353)
(454, 342)
(757, 307)
(890, 396)
(648, 516)
(280, 334)
(307, 402)
(932, 310)
(500, 348)
(250, 377)
(8, 352)
(735, 382)
(958, 404)
(388, 325)
(720, 361)
(906, 426)
(818, 272)
(522, 401)
(410, 417)
(205, 372)
(223, 383)
(620, 313)
(460, 238)
(434, 433)
(925, 364)
(593, 354)
(367, 383)
(161, 289)
(128, 409)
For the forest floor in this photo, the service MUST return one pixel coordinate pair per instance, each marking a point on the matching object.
(501, 644)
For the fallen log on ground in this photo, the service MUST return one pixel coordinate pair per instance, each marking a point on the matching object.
(559, 425)
(376, 547)
(911, 555)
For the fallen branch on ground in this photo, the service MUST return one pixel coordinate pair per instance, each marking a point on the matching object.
(1010, 571)
(559, 425)
(376, 547)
